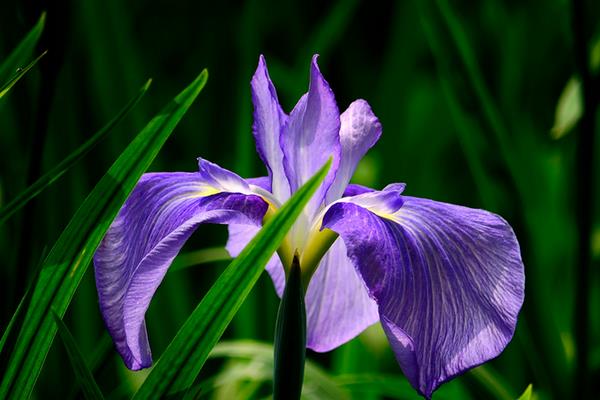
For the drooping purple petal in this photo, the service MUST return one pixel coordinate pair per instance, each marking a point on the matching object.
(310, 137)
(158, 217)
(359, 131)
(269, 119)
(448, 281)
(338, 306)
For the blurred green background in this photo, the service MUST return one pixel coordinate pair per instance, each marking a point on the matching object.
(479, 103)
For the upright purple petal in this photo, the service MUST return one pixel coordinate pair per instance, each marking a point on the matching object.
(359, 131)
(310, 137)
(338, 306)
(354, 189)
(269, 119)
(158, 217)
(448, 281)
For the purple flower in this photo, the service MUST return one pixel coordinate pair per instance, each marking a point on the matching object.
(446, 282)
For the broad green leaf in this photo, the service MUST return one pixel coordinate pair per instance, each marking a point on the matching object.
(22, 53)
(318, 384)
(181, 362)
(20, 73)
(86, 380)
(55, 173)
(527, 394)
(68, 260)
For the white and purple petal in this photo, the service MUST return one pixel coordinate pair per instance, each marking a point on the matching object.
(338, 305)
(448, 281)
(309, 139)
(158, 217)
(359, 131)
(269, 119)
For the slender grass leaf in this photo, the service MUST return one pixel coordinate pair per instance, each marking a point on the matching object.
(181, 362)
(20, 73)
(22, 53)
(9, 336)
(86, 380)
(491, 381)
(318, 384)
(395, 387)
(203, 256)
(465, 129)
(58, 171)
(506, 144)
(69, 258)
(527, 394)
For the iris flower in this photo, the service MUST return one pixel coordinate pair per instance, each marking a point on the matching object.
(445, 281)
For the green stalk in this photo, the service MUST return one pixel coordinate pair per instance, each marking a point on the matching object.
(290, 338)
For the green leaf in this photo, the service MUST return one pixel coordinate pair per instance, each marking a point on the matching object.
(318, 384)
(89, 387)
(569, 109)
(22, 53)
(202, 256)
(55, 173)
(290, 338)
(491, 381)
(181, 362)
(527, 394)
(69, 258)
(20, 73)
(395, 387)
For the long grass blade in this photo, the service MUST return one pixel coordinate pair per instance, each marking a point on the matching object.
(318, 383)
(22, 53)
(20, 73)
(69, 258)
(86, 380)
(58, 171)
(181, 362)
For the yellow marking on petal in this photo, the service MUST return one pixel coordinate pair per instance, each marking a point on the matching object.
(206, 191)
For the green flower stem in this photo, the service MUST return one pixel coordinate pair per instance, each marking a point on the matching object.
(290, 338)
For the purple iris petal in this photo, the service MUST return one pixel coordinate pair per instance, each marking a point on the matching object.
(338, 306)
(448, 281)
(269, 119)
(354, 189)
(311, 136)
(158, 217)
(219, 179)
(359, 131)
